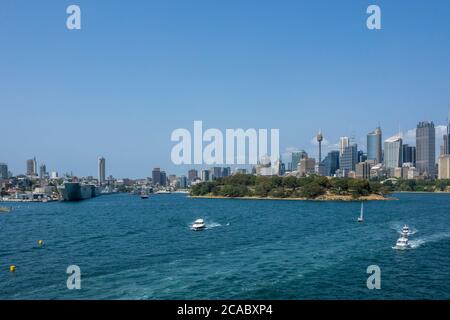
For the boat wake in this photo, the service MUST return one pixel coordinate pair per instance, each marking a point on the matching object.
(211, 225)
(399, 226)
(433, 238)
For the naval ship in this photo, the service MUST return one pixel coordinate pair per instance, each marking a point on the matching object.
(75, 191)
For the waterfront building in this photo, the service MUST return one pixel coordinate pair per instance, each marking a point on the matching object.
(374, 149)
(425, 149)
(349, 158)
(393, 154)
(444, 166)
(344, 142)
(32, 167)
(296, 157)
(183, 182)
(4, 171)
(331, 163)
(192, 175)
(156, 177)
(101, 170)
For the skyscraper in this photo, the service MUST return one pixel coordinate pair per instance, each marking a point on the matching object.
(192, 175)
(409, 154)
(446, 145)
(331, 163)
(425, 149)
(344, 142)
(101, 170)
(349, 158)
(393, 153)
(156, 176)
(226, 171)
(3, 171)
(42, 171)
(216, 173)
(31, 167)
(205, 175)
(374, 150)
(296, 157)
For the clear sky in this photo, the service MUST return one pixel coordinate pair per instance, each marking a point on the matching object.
(137, 70)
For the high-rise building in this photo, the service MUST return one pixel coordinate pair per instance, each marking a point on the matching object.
(31, 167)
(226, 171)
(101, 170)
(331, 163)
(216, 173)
(306, 166)
(425, 149)
(205, 175)
(349, 158)
(42, 171)
(362, 170)
(163, 181)
(156, 176)
(409, 154)
(344, 142)
(54, 175)
(374, 150)
(296, 157)
(183, 182)
(192, 175)
(4, 171)
(445, 149)
(444, 167)
(393, 153)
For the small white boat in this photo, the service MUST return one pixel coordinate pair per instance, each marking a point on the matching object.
(406, 231)
(361, 215)
(198, 224)
(402, 243)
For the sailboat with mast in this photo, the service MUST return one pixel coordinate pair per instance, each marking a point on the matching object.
(361, 215)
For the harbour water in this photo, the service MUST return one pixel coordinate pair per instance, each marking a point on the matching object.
(129, 248)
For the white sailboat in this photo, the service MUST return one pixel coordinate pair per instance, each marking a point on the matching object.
(361, 215)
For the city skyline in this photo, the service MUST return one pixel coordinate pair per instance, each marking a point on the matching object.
(132, 74)
(347, 147)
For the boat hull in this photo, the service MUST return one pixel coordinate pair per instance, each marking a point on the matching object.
(74, 191)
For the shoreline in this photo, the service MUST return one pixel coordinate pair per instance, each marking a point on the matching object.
(322, 198)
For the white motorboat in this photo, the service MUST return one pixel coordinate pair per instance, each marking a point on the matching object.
(198, 224)
(406, 231)
(402, 243)
(361, 215)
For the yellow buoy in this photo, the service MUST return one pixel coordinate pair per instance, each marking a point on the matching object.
(12, 268)
(40, 243)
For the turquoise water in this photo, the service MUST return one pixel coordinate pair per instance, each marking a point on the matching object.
(128, 248)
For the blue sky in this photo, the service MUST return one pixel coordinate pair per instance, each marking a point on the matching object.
(137, 70)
